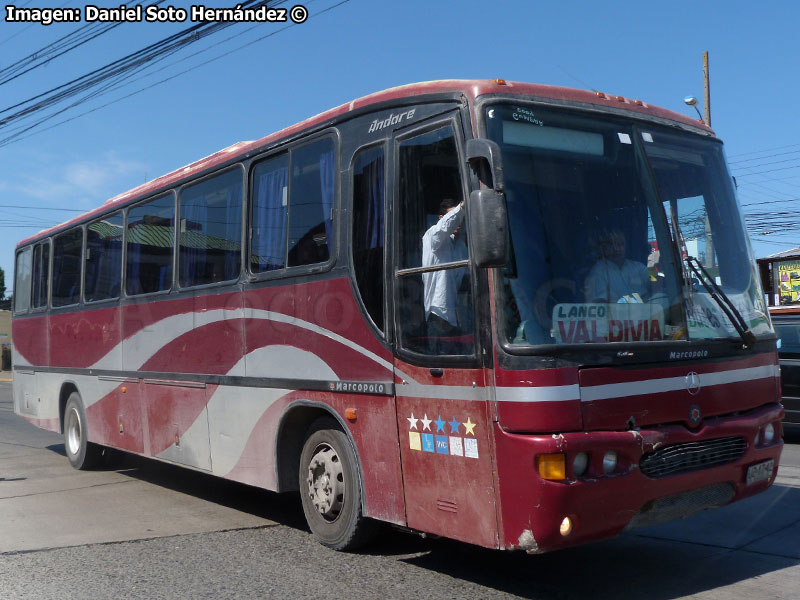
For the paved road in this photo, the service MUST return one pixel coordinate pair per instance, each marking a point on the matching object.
(149, 530)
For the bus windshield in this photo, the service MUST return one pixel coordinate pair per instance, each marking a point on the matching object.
(607, 219)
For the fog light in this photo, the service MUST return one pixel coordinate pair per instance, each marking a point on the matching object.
(551, 466)
(769, 434)
(609, 462)
(580, 463)
(566, 526)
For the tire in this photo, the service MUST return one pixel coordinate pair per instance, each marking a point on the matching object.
(330, 488)
(81, 453)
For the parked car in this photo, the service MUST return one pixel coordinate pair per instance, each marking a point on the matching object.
(787, 326)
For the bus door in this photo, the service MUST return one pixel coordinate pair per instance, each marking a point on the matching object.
(442, 408)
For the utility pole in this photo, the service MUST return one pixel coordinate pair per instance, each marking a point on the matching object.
(706, 89)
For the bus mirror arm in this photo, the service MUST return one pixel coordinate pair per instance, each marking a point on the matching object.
(486, 152)
(488, 228)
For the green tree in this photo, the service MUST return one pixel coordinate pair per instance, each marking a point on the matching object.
(2, 284)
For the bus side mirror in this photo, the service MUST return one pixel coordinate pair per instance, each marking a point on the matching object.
(488, 228)
(482, 152)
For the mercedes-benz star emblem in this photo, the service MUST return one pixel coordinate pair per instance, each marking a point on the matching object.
(693, 383)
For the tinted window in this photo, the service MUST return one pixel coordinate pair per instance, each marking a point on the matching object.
(368, 189)
(103, 258)
(292, 208)
(211, 230)
(67, 249)
(41, 274)
(270, 203)
(434, 306)
(310, 204)
(22, 281)
(149, 241)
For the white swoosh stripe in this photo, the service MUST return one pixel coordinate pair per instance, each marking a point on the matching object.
(145, 343)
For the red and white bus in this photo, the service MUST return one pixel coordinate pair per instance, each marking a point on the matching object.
(262, 315)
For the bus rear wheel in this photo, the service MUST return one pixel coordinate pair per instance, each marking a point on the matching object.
(330, 488)
(81, 453)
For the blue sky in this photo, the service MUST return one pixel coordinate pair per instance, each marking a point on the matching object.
(650, 51)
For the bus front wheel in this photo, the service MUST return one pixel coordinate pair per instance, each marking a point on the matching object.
(330, 488)
(81, 453)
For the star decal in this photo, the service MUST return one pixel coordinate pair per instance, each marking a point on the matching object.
(426, 422)
(454, 425)
(412, 421)
(470, 426)
(439, 423)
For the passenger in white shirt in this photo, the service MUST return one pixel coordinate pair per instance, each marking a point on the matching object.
(443, 243)
(615, 277)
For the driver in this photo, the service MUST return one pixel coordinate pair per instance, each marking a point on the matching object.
(615, 278)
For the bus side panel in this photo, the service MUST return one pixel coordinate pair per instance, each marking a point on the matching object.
(31, 341)
(314, 334)
(86, 339)
(116, 419)
(374, 433)
(445, 447)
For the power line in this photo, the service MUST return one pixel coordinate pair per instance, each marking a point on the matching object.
(766, 150)
(18, 136)
(738, 162)
(62, 46)
(185, 37)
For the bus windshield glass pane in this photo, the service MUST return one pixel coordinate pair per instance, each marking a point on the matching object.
(591, 205)
(697, 194)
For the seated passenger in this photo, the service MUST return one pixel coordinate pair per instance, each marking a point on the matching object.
(615, 278)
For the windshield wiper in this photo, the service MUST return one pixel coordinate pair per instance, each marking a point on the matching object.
(725, 303)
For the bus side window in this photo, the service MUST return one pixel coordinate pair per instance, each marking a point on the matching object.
(41, 274)
(22, 281)
(270, 211)
(211, 230)
(103, 258)
(434, 306)
(368, 219)
(149, 240)
(67, 251)
(311, 203)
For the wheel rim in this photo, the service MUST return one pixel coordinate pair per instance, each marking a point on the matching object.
(326, 487)
(74, 432)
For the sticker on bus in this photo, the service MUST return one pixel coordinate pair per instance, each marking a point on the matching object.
(582, 323)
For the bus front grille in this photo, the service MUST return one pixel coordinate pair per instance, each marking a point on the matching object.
(691, 456)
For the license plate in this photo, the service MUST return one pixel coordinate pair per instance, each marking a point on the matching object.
(760, 472)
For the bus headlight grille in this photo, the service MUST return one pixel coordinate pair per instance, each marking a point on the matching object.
(691, 456)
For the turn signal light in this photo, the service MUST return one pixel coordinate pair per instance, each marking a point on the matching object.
(552, 466)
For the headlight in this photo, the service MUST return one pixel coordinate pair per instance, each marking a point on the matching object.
(769, 434)
(609, 462)
(580, 463)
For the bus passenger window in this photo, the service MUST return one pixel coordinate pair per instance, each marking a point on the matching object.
(67, 250)
(41, 274)
(368, 188)
(103, 258)
(149, 240)
(22, 281)
(270, 203)
(435, 296)
(211, 230)
(311, 203)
